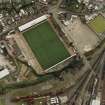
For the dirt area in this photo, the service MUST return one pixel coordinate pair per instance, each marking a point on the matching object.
(82, 36)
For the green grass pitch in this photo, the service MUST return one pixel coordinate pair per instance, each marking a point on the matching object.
(98, 24)
(45, 44)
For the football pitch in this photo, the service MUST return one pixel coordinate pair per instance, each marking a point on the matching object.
(45, 44)
(98, 24)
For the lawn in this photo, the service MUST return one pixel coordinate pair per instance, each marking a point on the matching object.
(2, 101)
(98, 24)
(45, 44)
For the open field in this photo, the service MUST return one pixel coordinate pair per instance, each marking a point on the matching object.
(45, 44)
(97, 24)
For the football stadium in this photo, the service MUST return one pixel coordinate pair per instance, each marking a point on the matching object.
(44, 42)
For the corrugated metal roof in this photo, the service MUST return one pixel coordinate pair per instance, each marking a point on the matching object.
(4, 73)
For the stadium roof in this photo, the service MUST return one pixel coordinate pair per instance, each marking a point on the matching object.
(31, 23)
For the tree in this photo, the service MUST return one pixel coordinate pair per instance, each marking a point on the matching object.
(68, 2)
(1, 28)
